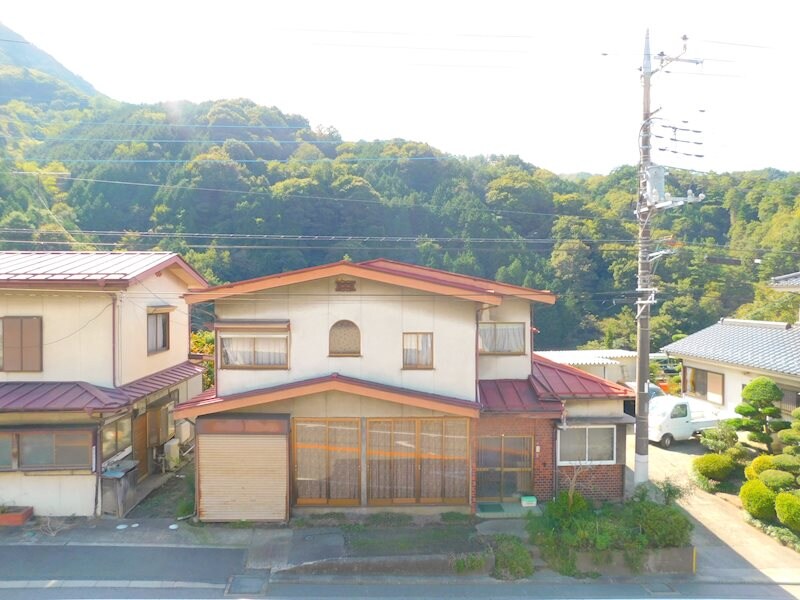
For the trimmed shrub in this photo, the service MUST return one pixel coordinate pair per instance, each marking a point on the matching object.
(776, 425)
(560, 509)
(786, 462)
(750, 473)
(789, 436)
(738, 454)
(762, 463)
(796, 413)
(758, 500)
(792, 450)
(719, 439)
(777, 480)
(714, 466)
(664, 526)
(787, 508)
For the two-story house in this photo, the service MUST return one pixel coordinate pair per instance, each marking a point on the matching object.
(380, 384)
(94, 358)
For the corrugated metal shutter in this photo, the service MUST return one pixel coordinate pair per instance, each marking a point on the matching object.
(243, 477)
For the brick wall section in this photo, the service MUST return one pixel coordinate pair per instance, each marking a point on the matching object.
(542, 431)
(597, 482)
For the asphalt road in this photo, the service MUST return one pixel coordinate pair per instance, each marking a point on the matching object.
(118, 563)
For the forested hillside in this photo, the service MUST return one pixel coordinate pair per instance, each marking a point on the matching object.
(244, 190)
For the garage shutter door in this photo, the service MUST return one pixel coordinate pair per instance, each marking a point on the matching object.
(243, 477)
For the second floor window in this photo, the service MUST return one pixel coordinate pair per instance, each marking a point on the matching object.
(21, 347)
(501, 338)
(157, 332)
(265, 351)
(418, 350)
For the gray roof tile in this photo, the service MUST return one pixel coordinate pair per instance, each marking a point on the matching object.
(765, 345)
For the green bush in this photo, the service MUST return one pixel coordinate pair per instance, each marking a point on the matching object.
(786, 462)
(776, 425)
(738, 454)
(665, 526)
(796, 413)
(467, 563)
(789, 436)
(758, 500)
(719, 439)
(777, 480)
(714, 466)
(560, 509)
(762, 463)
(750, 473)
(792, 450)
(511, 558)
(787, 509)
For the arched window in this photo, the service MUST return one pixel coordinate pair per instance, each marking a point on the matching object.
(344, 339)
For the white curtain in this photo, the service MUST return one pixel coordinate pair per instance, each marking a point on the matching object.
(271, 351)
(418, 349)
(502, 337)
(255, 350)
(237, 351)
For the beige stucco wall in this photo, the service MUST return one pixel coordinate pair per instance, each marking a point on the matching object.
(594, 408)
(45, 418)
(53, 494)
(76, 334)
(383, 313)
(337, 404)
(134, 361)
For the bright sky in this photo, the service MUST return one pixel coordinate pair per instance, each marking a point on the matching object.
(555, 82)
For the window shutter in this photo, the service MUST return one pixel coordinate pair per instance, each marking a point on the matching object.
(12, 344)
(31, 344)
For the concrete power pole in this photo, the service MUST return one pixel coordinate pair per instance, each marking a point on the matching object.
(641, 467)
(651, 199)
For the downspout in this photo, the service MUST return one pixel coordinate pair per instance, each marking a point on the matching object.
(477, 352)
(113, 340)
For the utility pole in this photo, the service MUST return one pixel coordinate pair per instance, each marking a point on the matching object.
(651, 198)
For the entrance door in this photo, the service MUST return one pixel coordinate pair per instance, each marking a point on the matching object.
(140, 446)
(505, 467)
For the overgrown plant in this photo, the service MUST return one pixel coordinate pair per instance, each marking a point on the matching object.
(720, 439)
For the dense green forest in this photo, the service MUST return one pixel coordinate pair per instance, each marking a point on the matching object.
(243, 190)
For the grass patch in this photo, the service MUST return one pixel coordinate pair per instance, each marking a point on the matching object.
(469, 563)
(173, 499)
(511, 558)
(185, 508)
(453, 517)
(389, 519)
(328, 516)
(400, 541)
(241, 524)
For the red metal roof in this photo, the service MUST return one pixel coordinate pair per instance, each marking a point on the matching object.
(403, 274)
(566, 382)
(516, 396)
(69, 396)
(209, 402)
(157, 381)
(29, 396)
(96, 268)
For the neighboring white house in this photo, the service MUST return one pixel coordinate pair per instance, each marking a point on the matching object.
(720, 360)
(381, 384)
(614, 365)
(94, 357)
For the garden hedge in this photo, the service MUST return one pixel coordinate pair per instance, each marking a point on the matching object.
(786, 462)
(758, 500)
(787, 508)
(762, 463)
(777, 480)
(714, 466)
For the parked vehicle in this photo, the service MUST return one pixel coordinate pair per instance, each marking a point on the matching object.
(629, 406)
(672, 418)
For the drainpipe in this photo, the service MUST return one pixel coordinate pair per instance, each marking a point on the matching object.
(477, 353)
(113, 340)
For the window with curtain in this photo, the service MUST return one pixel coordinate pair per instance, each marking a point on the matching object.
(56, 450)
(344, 339)
(157, 332)
(705, 385)
(418, 350)
(265, 351)
(327, 460)
(587, 445)
(501, 338)
(421, 461)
